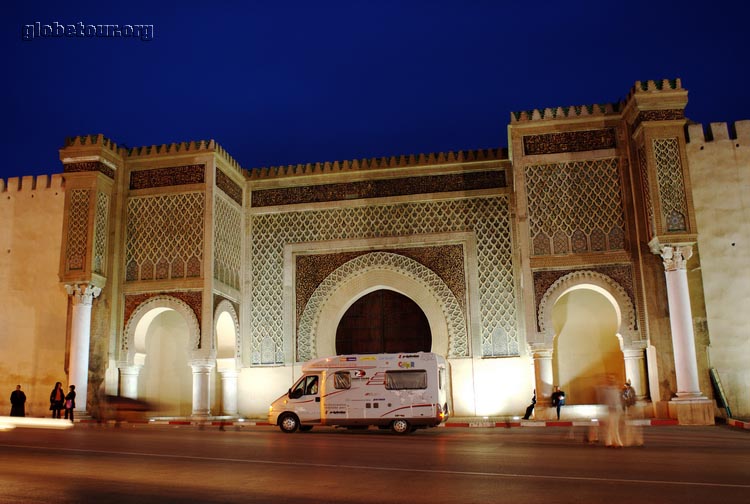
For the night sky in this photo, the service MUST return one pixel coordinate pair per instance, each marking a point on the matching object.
(295, 82)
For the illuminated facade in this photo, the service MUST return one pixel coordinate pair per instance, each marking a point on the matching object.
(171, 274)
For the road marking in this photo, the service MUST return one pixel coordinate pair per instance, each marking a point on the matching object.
(388, 469)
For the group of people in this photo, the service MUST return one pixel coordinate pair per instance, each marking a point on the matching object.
(58, 401)
(557, 398)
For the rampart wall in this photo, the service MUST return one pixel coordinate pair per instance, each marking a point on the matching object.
(719, 158)
(33, 303)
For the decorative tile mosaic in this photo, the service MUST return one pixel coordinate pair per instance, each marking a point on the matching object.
(671, 183)
(229, 187)
(87, 166)
(101, 229)
(489, 218)
(380, 188)
(658, 115)
(227, 242)
(575, 207)
(76, 242)
(447, 261)
(570, 141)
(454, 316)
(166, 230)
(622, 274)
(194, 299)
(165, 177)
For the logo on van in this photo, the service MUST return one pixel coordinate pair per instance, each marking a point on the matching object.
(358, 373)
(406, 365)
(407, 356)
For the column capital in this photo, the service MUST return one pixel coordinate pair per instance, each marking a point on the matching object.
(675, 256)
(539, 351)
(83, 293)
(202, 365)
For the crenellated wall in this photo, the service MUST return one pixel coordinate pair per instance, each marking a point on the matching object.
(33, 303)
(719, 161)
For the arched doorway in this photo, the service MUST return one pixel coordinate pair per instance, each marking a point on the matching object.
(162, 339)
(586, 345)
(383, 321)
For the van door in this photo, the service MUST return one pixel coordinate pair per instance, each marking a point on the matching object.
(304, 399)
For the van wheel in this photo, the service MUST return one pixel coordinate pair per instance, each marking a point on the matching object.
(288, 423)
(305, 428)
(401, 426)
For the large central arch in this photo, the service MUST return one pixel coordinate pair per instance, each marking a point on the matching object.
(381, 270)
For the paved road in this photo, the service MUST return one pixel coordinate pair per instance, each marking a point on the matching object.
(261, 464)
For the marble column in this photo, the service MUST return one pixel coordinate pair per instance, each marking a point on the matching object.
(82, 296)
(681, 321)
(202, 386)
(543, 375)
(229, 391)
(129, 381)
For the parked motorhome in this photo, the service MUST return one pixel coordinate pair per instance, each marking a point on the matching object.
(403, 392)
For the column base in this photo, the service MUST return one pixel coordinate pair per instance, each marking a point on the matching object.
(692, 411)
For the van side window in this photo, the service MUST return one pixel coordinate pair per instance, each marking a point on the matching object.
(342, 380)
(406, 380)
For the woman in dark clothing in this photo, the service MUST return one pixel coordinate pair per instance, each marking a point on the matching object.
(57, 400)
(17, 402)
(70, 402)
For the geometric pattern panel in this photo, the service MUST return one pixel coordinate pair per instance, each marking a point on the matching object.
(671, 183)
(78, 218)
(643, 169)
(165, 237)
(488, 218)
(454, 315)
(100, 233)
(575, 207)
(227, 242)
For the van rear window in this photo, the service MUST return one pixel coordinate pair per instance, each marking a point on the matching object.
(406, 380)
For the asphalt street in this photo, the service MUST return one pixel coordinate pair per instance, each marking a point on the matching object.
(147, 464)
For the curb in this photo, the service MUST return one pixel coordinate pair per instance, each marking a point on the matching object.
(570, 423)
(738, 424)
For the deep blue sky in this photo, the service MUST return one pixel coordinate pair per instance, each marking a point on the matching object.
(293, 82)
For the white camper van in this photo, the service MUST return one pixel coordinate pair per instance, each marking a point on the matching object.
(400, 391)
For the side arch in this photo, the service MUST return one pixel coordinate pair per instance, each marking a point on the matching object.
(609, 288)
(225, 307)
(383, 270)
(133, 341)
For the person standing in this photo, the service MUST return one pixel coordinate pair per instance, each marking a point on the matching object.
(17, 402)
(70, 402)
(530, 408)
(558, 399)
(57, 400)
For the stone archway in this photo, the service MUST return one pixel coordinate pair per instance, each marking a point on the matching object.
(370, 272)
(626, 331)
(158, 344)
(227, 345)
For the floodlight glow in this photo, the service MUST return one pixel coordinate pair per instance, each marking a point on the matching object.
(7, 423)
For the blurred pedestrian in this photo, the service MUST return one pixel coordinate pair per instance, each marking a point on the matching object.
(611, 397)
(632, 433)
(17, 402)
(57, 400)
(530, 408)
(558, 399)
(70, 403)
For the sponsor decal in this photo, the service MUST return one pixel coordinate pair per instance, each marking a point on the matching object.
(408, 356)
(406, 365)
(358, 373)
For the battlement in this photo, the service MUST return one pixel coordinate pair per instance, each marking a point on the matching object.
(83, 140)
(402, 161)
(575, 111)
(32, 183)
(739, 131)
(654, 86)
(193, 147)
